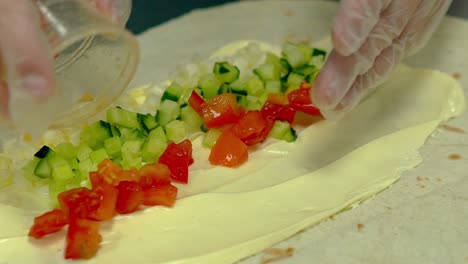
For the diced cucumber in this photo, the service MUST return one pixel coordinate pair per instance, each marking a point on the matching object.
(209, 85)
(283, 131)
(55, 188)
(281, 64)
(98, 156)
(66, 150)
(255, 86)
(95, 134)
(82, 152)
(224, 88)
(253, 103)
(273, 86)
(125, 132)
(115, 131)
(154, 145)
(43, 168)
(311, 77)
(238, 87)
(42, 152)
(61, 170)
(168, 111)
(122, 118)
(294, 80)
(241, 100)
(226, 72)
(297, 55)
(113, 147)
(86, 166)
(210, 137)
(267, 72)
(203, 128)
(173, 92)
(28, 172)
(191, 118)
(73, 162)
(318, 52)
(175, 131)
(306, 70)
(131, 157)
(147, 122)
(138, 134)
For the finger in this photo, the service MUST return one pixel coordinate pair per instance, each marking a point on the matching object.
(24, 50)
(354, 21)
(334, 80)
(393, 21)
(366, 83)
(424, 23)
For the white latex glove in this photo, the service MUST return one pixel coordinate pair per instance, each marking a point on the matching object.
(370, 37)
(24, 51)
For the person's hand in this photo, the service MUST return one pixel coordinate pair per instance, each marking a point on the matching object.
(24, 53)
(370, 37)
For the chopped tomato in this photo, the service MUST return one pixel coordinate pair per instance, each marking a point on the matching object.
(221, 110)
(130, 197)
(165, 195)
(83, 239)
(103, 198)
(278, 112)
(109, 172)
(278, 98)
(48, 223)
(76, 203)
(228, 150)
(252, 128)
(95, 179)
(154, 174)
(300, 100)
(196, 102)
(178, 157)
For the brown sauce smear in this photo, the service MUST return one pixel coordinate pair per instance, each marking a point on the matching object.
(276, 254)
(455, 156)
(453, 129)
(360, 227)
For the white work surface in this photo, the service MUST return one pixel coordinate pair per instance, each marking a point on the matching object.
(423, 218)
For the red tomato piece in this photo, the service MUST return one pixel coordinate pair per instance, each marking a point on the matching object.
(178, 157)
(75, 203)
(130, 197)
(165, 195)
(109, 172)
(300, 100)
(196, 102)
(102, 201)
(252, 128)
(95, 179)
(48, 223)
(278, 112)
(154, 174)
(221, 110)
(83, 239)
(278, 98)
(228, 150)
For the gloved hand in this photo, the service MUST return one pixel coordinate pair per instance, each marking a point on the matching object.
(24, 50)
(370, 37)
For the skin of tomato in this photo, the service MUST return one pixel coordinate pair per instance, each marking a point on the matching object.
(165, 195)
(252, 128)
(75, 202)
(154, 174)
(48, 223)
(278, 112)
(105, 196)
(178, 157)
(278, 98)
(83, 239)
(130, 197)
(220, 110)
(300, 100)
(228, 151)
(196, 102)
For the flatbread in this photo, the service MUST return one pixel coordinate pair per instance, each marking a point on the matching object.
(229, 214)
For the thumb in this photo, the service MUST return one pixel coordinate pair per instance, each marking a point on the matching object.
(24, 50)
